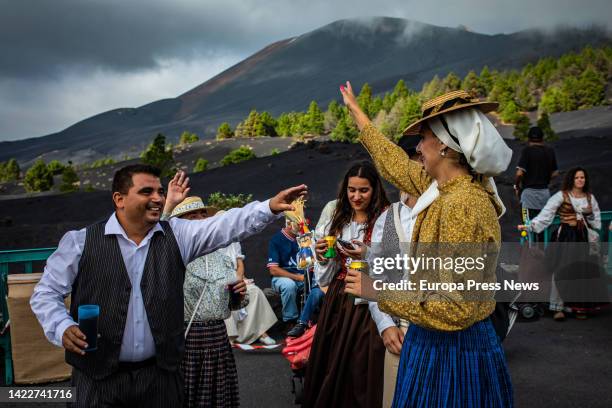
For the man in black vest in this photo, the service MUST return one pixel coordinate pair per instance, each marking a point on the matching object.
(132, 266)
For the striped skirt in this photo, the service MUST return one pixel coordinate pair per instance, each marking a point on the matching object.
(466, 368)
(211, 379)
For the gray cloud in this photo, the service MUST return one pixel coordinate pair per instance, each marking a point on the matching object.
(127, 53)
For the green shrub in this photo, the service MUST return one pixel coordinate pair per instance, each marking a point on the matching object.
(9, 171)
(159, 155)
(69, 180)
(200, 166)
(38, 177)
(226, 201)
(243, 153)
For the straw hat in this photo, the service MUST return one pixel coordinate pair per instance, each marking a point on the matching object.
(448, 102)
(191, 204)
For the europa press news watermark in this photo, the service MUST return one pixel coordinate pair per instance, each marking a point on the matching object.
(480, 271)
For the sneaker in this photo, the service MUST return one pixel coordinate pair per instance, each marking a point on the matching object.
(297, 330)
(267, 340)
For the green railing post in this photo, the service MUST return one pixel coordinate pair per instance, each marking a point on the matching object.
(25, 256)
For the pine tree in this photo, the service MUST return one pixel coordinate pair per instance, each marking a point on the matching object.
(157, 154)
(251, 123)
(364, 99)
(391, 125)
(55, 167)
(502, 91)
(485, 82)
(314, 121)
(200, 166)
(375, 106)
(388, 102)
(265, 125)
(592, 88)
(451, 83)
(525, 93)
(187, 138)
(410, 112)
(400, 90)
(510, 113)
(70, 180)
(551, 100)
(544, 124)
(38, 177)
(470, 83)
(298, 123)
(432, 88)
(344, 131)
(241, 154)
(521, 127)
(9, 171)
(283, 125)
(335, 109)
(569, 97)
(224, 131)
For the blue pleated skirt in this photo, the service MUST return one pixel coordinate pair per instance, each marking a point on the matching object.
(466, 368)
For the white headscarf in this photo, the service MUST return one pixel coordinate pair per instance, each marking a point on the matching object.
(479, 141)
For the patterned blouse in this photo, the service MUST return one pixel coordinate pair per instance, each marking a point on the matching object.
(209, 274)
(465, 213)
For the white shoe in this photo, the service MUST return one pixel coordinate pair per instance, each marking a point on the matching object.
(268, 341)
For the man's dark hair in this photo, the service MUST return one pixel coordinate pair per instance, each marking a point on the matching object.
(535, 133)
(122, 181)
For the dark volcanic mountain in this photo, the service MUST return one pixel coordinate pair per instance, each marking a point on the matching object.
(288, 74)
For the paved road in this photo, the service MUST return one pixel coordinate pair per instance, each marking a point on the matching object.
(552, 364)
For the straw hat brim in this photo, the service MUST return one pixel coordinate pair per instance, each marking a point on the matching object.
(210, 211)
(415, 127)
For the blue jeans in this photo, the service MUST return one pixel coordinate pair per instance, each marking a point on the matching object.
(288, 289)
(313, 303)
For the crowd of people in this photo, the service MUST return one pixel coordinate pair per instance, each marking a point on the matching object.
(168, 274)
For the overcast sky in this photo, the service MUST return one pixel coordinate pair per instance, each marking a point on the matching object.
(62, 61)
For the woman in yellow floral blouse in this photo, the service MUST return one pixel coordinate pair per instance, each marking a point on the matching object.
(451, 355)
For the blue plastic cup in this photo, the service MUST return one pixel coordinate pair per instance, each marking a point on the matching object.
(88, 324)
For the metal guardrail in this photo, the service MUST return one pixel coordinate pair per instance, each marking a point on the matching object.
(606, 218)
(26, 257)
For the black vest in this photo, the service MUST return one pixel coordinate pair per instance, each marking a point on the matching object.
(103, 280)
(391, 243)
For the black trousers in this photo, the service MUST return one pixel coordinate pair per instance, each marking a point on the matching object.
(144, 387)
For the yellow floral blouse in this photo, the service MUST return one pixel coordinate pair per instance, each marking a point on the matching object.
(465, 216)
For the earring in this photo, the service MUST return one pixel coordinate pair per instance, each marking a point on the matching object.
(443, 152)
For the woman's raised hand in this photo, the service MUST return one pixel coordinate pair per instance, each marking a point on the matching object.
(360, 118)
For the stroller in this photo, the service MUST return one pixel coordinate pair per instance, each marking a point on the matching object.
(533, 268)
(297, 349)
(297, 352)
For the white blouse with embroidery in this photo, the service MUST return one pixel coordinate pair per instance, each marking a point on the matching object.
(580, 204)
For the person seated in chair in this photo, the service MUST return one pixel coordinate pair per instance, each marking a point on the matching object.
(311, 306)
(287, 279)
